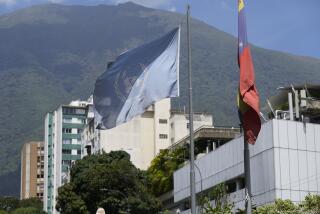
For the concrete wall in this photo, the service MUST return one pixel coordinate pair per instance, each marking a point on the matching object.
(136, 137)
(180, 128)
(162, 114)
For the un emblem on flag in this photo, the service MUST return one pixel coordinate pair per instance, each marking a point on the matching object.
(123, 84)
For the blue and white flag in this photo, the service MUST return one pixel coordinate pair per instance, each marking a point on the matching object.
(137, 79)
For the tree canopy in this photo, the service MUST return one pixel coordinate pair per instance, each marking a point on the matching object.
(107, 180)
(15, 206)
(311, 204)
(162, 168)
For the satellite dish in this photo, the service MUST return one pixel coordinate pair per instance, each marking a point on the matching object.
(100, 211)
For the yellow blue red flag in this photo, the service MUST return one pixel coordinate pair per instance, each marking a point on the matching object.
(248, 97)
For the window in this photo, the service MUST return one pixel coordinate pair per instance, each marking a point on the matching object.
(66, 141)
(163, 121)
(66, 130)
(80, 111)
(68, 111)
(66, 162)
(67, 120)
(79, 152)
(163, 136)
(79, 131)
(66, 151)
(188, 125)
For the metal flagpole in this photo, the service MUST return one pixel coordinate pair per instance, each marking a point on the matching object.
(192, 172)
(247, 177)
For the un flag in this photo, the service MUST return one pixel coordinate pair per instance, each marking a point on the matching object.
(137, 79)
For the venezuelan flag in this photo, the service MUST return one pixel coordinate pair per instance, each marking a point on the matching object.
(248, 97)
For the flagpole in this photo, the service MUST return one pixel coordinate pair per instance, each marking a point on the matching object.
(247, 177)
(192, 172)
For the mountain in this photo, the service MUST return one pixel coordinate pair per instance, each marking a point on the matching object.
(52, 54)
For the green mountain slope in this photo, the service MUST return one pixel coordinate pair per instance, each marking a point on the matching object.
(51, 54)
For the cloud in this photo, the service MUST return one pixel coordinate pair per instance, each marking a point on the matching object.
(7, 2)
(147, 3)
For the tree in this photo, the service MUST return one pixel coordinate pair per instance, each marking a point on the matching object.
(107, 180)
(311, 204)
(280, 206)
(31, 202)
(70, 202)
(162, 168)
(9, 203)
(27, 210)
(15, 206)
(221, 202)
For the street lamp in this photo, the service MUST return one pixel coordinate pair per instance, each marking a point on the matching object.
(121, 193)
(170, 158)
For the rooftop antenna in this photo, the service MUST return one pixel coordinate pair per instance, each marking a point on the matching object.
(270, 106)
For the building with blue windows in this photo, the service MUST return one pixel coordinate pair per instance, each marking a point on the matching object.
(62, 146)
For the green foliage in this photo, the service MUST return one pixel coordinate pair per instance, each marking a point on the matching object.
(70, 202)
(15, 206)
(9, 203)
(221, 203)
(106, 180)
(311, 204)
(162, 168)
(280, 206)
(27, 210)
(31, 202)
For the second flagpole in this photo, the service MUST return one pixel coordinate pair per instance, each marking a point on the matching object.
(192, 172)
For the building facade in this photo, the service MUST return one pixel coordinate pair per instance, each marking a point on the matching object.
(62, 147)
(144, 136)
(285, 163)
(32, 170)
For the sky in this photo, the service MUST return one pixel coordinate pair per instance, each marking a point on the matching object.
(291, 26)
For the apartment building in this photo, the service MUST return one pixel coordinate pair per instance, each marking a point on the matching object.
(32, 170)
(62, 146)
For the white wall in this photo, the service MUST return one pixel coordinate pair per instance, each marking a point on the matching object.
(161, 111)
(285, 163)
(45, 192)
(297, 159)
(57, 148)
(136, 137)
(179, 128)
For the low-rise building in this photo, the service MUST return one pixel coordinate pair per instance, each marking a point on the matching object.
(284, 162)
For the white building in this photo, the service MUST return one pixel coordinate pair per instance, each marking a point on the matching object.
(62, 146)
(285, 163)
(144, 136)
